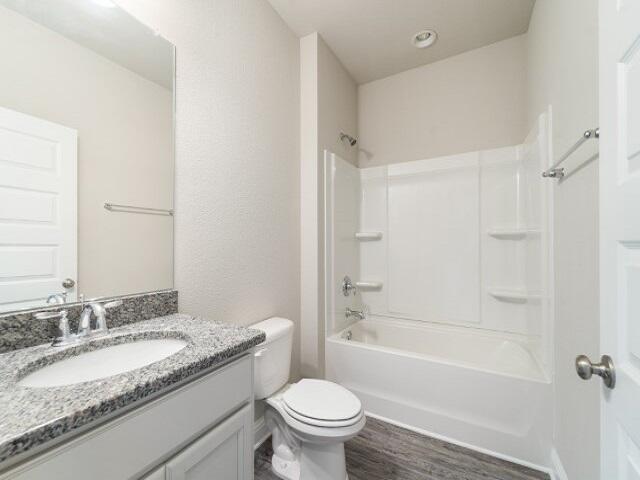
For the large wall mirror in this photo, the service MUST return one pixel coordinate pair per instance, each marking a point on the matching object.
(86, 153)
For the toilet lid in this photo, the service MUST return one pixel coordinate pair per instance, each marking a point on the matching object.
(322, 400)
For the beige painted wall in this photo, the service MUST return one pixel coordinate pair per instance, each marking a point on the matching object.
(125, 151)
(311, 211)
(337, 105)
(473, 101)
(237, 226)
(563, 72)
(328, 106)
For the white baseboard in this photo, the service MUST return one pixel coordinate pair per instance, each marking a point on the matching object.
(557, 469)
(261, 432)
(466, 445)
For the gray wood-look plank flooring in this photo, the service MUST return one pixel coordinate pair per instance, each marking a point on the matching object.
(385, 452)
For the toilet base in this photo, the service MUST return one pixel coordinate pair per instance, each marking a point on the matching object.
(288, 469)
(299, 460)
(285, 469)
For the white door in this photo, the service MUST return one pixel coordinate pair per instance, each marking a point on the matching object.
(620, 234)
(38, 211)
(225, 453)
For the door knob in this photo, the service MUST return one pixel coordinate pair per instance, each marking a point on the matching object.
(68, 283)
(604, 369)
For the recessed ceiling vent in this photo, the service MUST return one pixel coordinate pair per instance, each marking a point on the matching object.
(424, 39)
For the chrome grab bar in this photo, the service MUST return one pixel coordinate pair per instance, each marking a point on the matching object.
(555, 171)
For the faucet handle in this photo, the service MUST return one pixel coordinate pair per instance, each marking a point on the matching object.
(359, 314)
(65, 337)
(47, 315)
(347, 286)
(112, 304)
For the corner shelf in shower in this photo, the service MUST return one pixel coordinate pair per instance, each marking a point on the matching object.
(368, 236)
(513, 295)
(512, 233)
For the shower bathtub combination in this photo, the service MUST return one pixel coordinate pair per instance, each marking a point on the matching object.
(450, 262)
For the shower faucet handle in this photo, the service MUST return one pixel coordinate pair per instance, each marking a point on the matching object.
(347, 286)
(359, 314)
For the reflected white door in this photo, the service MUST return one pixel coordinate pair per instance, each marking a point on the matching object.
(620, 234)
(38, 209)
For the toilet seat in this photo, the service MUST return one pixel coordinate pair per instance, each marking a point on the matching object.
(322, 403)
(322, 423)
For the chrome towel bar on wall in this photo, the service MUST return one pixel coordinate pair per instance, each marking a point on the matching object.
(115, 207)
(555, 171)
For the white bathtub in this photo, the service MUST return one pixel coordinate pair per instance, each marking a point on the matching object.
(479, 389)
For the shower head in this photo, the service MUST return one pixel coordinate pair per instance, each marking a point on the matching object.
(352, 141)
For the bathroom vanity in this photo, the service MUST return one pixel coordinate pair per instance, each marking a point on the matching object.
(180, 417)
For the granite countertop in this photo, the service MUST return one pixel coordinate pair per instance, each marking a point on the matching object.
(30, 417)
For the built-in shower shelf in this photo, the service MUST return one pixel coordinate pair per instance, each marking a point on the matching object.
(513, 233)
(513, 295)
(368, 236)
(369, 286)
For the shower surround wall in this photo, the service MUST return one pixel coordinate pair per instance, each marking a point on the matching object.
(464, 240)
(455, 248)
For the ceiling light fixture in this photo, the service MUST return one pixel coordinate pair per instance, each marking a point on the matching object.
(424, 39)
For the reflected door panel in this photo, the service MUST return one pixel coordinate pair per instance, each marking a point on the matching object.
(38, 209)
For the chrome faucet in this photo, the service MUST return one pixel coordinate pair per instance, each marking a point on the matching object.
(359, 314)
(100, 312)
(84, 326)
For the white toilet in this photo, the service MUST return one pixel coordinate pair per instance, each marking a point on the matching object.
(309, 420)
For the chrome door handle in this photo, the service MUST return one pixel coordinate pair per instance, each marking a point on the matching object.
(604, 369)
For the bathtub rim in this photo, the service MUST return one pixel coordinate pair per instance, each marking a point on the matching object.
(339, 339)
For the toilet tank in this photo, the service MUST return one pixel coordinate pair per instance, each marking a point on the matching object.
(273, 356)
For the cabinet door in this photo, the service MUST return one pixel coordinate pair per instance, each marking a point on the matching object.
(224, 453)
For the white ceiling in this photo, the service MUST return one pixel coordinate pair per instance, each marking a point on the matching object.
(372, 38)
(110, 32)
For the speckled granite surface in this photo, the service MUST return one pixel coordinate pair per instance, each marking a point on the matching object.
(30, 417)
(21, 329)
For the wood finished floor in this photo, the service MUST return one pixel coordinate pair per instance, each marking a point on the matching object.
(386, 452)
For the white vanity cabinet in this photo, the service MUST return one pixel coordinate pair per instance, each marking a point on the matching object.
(200, 431)
(218, 454)
(221, 453)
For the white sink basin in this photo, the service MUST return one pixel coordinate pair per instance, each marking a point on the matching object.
(103, 362)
